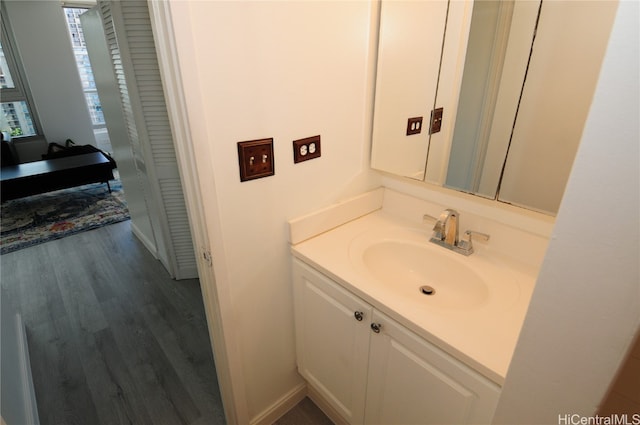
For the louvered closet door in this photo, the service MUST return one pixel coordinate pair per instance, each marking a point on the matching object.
(107, 87)
(130, 38)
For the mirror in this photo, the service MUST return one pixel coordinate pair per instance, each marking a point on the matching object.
(515, 80)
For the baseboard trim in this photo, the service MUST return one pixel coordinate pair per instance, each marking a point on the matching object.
(29, 395)
(281, 406)
(324, 405)
(151, 246)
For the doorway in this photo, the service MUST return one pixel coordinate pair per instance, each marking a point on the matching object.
(90, 273)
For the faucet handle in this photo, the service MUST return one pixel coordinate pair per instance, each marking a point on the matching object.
(465, 246)
(427, 218)
(438, 229)
(478, 235)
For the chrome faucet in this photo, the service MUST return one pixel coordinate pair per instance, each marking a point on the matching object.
(446, 228)
(446, 233)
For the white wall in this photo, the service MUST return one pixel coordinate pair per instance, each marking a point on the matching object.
(43, 43)
(285, 70)
(294, 69)
(586, 305)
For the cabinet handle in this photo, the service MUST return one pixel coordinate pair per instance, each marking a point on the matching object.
(376, 327)
(358, 315)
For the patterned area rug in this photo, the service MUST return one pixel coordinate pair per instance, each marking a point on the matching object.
(41, 218)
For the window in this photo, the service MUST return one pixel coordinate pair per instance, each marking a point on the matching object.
(17, 116)
(84, 66)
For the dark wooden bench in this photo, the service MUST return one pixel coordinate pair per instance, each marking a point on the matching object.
(32, 178)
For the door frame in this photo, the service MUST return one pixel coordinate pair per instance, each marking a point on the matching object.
(199, 189)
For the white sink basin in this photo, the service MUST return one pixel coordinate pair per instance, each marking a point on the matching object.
(412, 266)
(403, 260)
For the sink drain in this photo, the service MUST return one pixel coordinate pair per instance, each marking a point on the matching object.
(427, 290)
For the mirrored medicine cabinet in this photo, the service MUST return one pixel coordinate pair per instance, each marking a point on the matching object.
(514, 81)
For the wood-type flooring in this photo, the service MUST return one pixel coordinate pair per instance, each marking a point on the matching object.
(112, 338)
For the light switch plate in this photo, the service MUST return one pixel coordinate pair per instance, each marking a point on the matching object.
(436, 120)
(255, 159)
(305, 149)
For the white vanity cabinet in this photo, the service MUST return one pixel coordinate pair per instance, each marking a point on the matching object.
(332, 341)
(411, 381)
(384, 375)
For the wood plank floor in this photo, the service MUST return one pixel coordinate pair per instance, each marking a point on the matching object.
(113, 339)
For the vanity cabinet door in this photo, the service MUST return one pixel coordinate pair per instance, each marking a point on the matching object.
(332, 341)
(413, 382)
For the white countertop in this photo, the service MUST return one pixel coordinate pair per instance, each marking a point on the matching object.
(482, 336)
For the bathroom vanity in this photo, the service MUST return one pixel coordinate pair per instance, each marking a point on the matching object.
(391, 328)
(372, 369)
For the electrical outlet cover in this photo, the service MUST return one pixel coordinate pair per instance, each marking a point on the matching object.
(255, 159)
(414, 125)
(305, 149)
